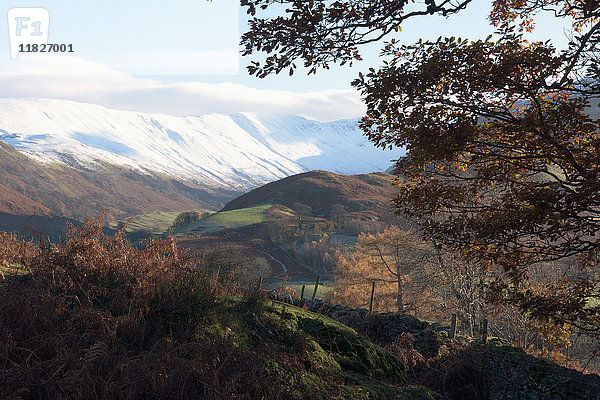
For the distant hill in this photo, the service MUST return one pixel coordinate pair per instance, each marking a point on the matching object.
(366, 195)
(28, 187)
(235, 152)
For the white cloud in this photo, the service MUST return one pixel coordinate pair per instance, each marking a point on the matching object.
(72, 78)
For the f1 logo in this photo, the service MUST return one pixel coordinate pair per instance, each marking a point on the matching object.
(27, 26)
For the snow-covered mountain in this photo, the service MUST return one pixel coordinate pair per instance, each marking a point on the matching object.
(237, 151)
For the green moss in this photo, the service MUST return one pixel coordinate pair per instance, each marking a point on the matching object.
(419, 393)
(322, 358)
(312, 386)
(352, 351)
(318, 357)
(362, 387)
(541, 372)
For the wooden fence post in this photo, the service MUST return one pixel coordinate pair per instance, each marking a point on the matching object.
(372, 295)
(452, 334)
(315, 291)
(484, 330)
(302, 293)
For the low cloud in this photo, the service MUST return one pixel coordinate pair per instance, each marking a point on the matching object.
(72, 78)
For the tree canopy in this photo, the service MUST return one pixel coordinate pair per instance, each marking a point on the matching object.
(502, 135)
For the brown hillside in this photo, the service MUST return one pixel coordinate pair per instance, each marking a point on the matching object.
(31, 188)
(13, 202)
(367, 193)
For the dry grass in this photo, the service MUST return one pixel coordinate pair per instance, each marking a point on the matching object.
(97, 318)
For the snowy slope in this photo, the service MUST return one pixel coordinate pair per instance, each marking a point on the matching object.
(237, 151)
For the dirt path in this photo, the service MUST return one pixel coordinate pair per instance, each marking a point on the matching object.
(251, 244)
(285, 270)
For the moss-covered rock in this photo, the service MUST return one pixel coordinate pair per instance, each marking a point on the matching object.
(322, 358)
(353, 352)
(319, 357)
(513, 374)
(458, 368)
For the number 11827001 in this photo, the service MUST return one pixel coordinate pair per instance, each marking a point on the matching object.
(46, 48)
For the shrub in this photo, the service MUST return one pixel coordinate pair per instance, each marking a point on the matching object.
(97, 317)
(187, 217)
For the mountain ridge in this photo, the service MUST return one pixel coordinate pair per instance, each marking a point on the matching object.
(236, 151)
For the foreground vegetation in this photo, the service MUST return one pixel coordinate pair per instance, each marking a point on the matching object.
(95, 317)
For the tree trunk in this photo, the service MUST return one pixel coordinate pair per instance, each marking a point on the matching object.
(400, 296)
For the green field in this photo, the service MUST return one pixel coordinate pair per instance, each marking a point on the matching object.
(322, 290)
(156, 222)
(228, 219)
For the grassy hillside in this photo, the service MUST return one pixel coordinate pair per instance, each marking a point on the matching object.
(237, 218)
(368, 195)
(363, 197)
(155, 222)
(301, 222)
(32, 188)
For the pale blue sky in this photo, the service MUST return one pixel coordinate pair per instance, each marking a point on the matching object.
(138, 24)
(105, 31)
(472, 23)
(145, 39)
